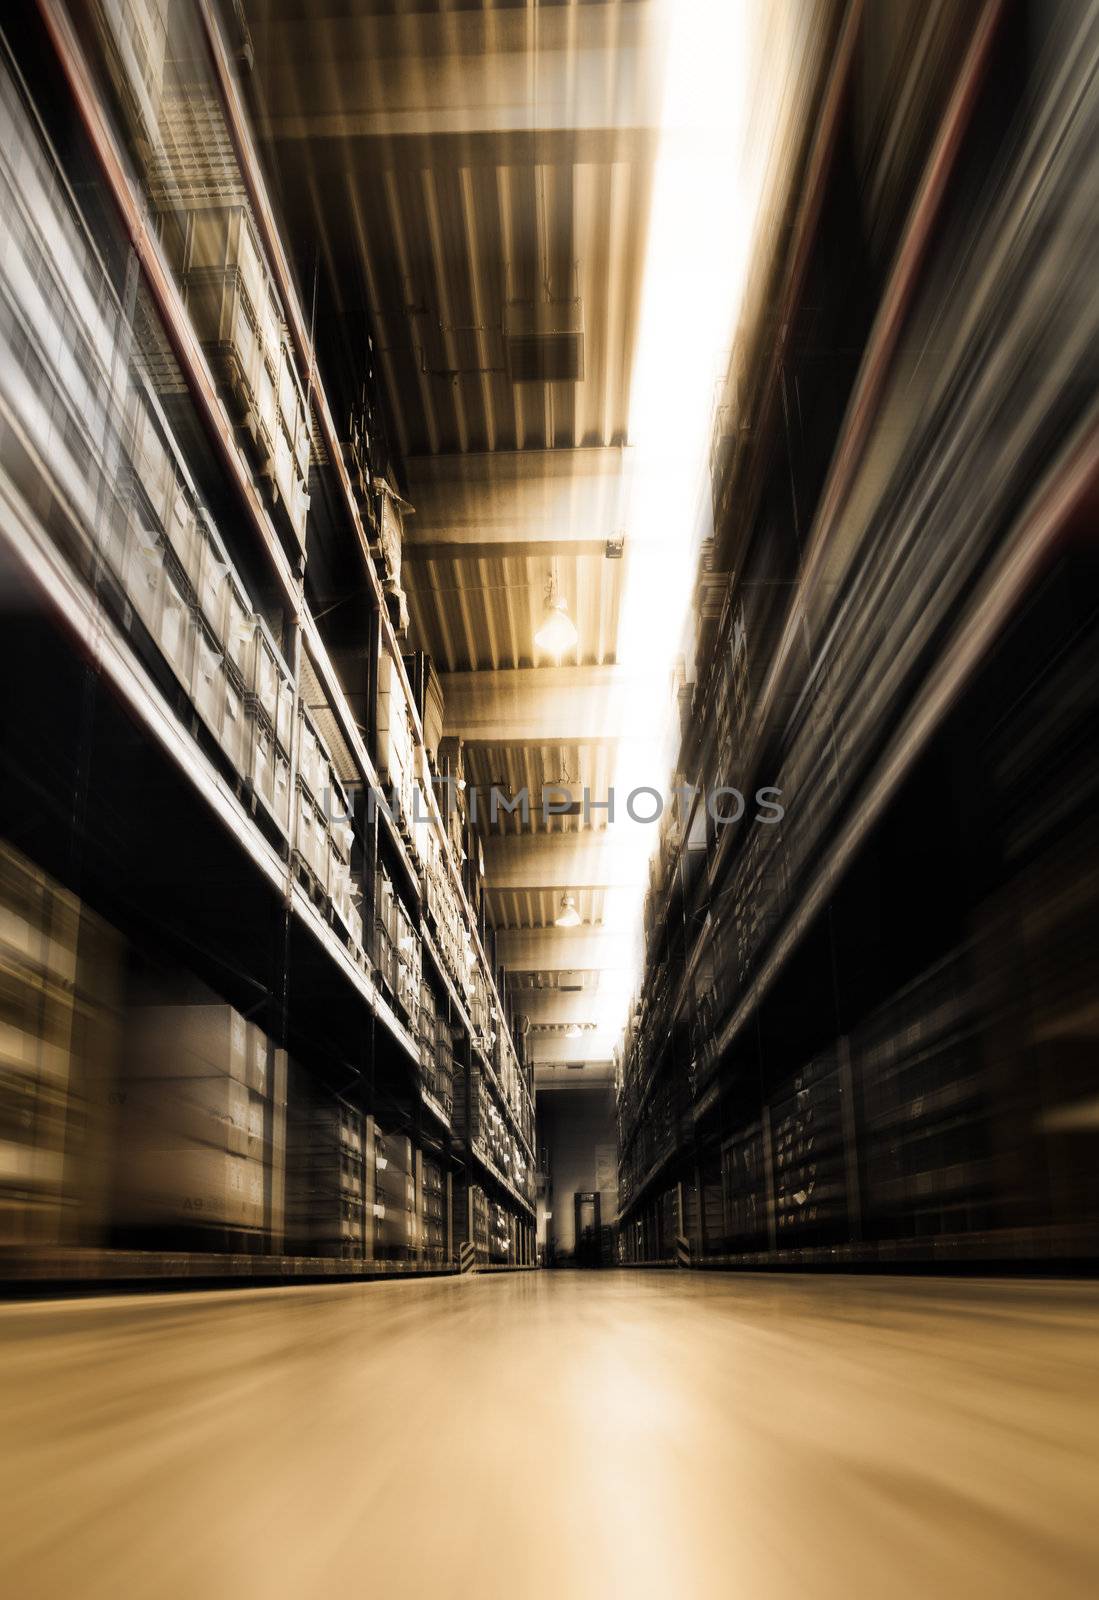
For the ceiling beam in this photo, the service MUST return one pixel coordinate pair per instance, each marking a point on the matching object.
(551, 1006)
(524, 502)
(562, 950)
(447, 156)
(560, 861)
(557, 1050)
(545, 705)
(593, 1074)
(472, 549)
(350, 75)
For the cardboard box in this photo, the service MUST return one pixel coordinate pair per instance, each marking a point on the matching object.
(168, 1113)
(393, 1228)
(257, 1059)
(176, 1041)
(39, 921)
(255, 1193)
(257, 1125)
(395, 1186)
(190, 1184)
(395, 1150)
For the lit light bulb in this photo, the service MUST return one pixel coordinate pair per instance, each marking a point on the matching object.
(558, 631)
(568, 916)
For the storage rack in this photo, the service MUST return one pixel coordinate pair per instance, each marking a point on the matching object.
(833, 1057)
(247, 736)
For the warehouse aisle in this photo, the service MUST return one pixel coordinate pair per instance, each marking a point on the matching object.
(652, 1436)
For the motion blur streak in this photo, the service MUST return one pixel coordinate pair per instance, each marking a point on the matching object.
(733, 74)
(651, 1436)
(691, 399)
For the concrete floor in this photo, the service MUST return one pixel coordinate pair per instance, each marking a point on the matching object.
(564, 1435)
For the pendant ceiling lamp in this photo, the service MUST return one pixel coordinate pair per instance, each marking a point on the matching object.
(568, 916)
(558, 631)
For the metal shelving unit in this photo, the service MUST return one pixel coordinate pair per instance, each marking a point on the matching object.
(770, 1024)
(94, 615)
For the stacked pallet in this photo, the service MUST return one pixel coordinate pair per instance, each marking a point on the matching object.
(499, 1235)
(427, 697)
(522, 1172)
(409, 965)
(202, 1118)
(444, 911)
(396, 1232)
(427, 1026)
(214, 247)
(434, 1213)
(135, 36)
(810, 1189)
(480, 1009)
(188, 161)
(480, 1121)
(396, 746)
(469, 1216)
(325, 831)
(743, 1189)
(444, 1062)
(113, 453)
(326, 1174)
(452, 797)
(480, 1234)
(385, 930)
(58, 1008)
(398, 954)
(927, 1144)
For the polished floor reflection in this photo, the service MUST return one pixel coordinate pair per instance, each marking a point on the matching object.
(565, 1435)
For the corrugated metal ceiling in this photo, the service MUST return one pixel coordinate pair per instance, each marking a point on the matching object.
(534, 768)
(538, 908)
(436, 164)
(483, 614)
